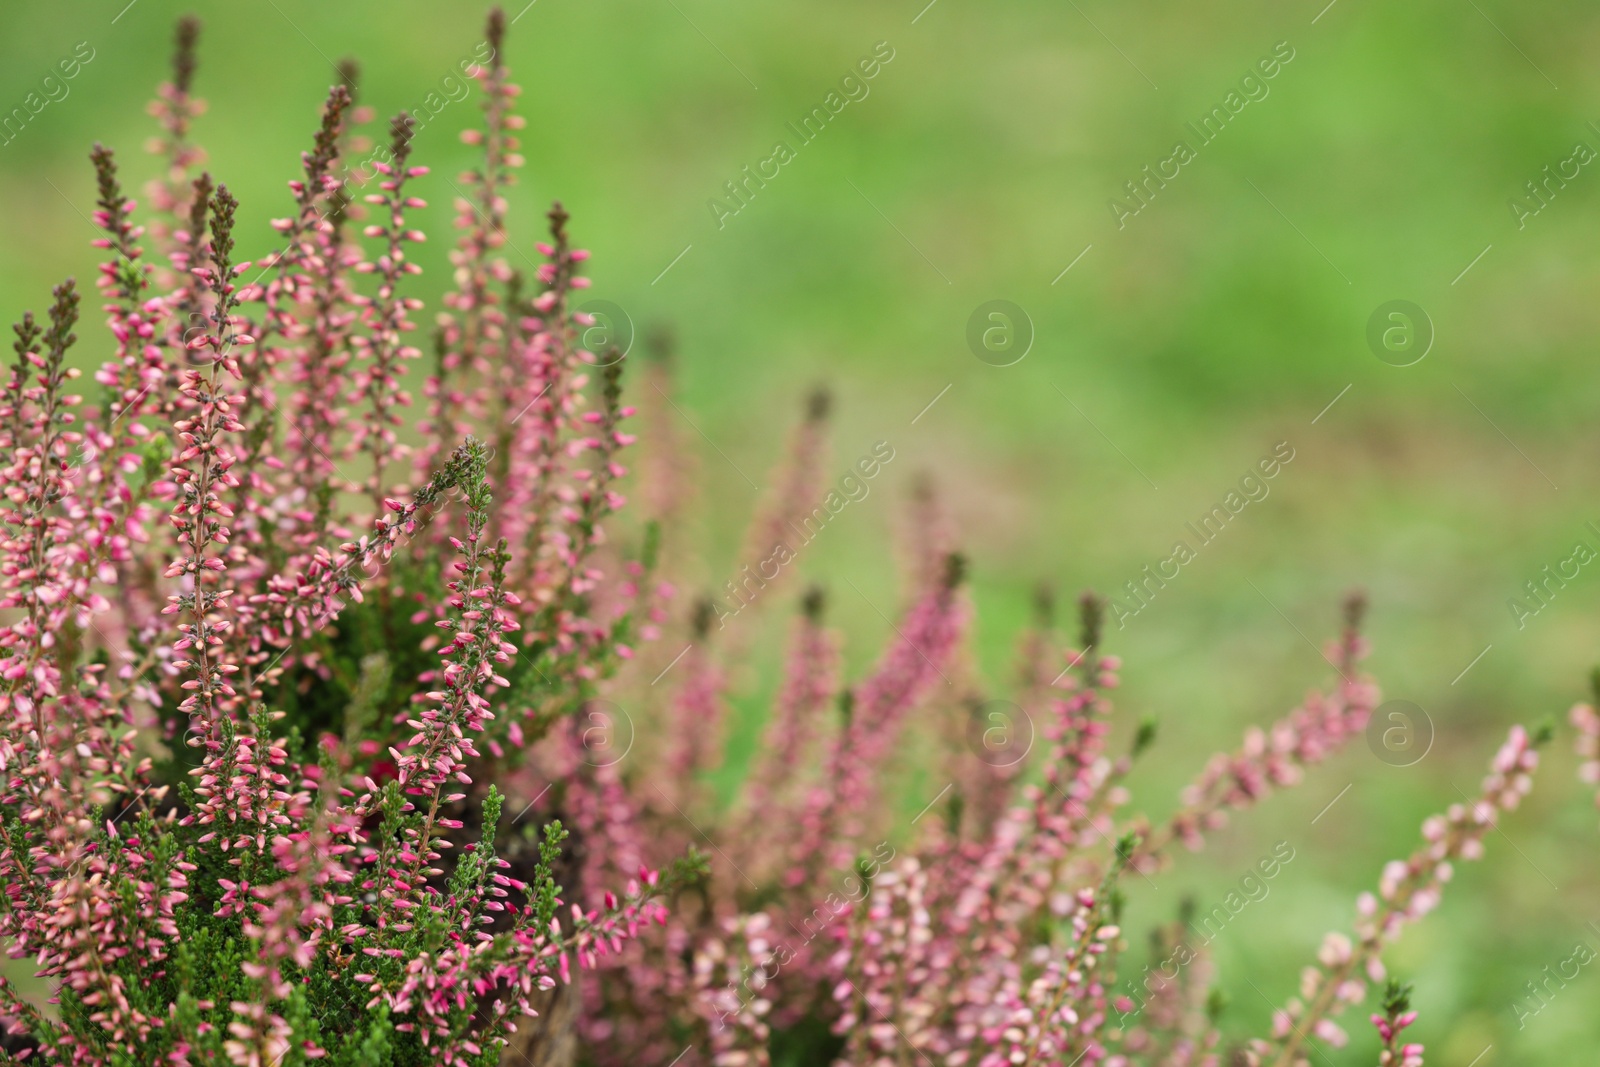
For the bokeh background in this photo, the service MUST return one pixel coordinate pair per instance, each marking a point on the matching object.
(1180, 347)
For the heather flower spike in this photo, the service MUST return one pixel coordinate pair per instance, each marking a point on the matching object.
(1407, 890)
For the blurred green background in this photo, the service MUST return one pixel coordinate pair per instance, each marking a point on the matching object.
(1221, 320)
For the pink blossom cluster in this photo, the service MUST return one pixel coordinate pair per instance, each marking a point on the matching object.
(996, 935)
(1407, 890)
(1587, 723)
(199, 873)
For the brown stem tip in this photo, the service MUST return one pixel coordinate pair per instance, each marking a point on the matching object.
(495, 33)
(1091, 613)
(818, 404)
(1355, 608)
(183, 61)
(705, 613)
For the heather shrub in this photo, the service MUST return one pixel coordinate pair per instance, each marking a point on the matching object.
(238, 795)
(279, 660)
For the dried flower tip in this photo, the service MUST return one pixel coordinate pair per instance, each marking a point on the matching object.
(183, 61)
(1091, 613)
(818, 404)
(813, 603)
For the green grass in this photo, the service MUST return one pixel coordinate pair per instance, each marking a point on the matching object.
(1220, 321)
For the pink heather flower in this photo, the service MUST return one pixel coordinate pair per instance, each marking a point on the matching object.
(1587, 723)
(1273, 758)
(1408, 890)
